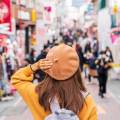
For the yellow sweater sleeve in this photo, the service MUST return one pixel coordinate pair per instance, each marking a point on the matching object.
(93, 114)
(22, 81)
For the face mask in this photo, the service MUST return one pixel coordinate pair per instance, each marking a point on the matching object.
(108, 53)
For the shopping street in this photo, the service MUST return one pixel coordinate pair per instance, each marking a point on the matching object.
(29, 29)
(17, 110)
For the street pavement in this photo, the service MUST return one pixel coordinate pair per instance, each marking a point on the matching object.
(108, 108)
(14, 109)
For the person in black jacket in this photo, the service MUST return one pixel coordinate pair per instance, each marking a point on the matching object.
(102, 64)
(81, 56)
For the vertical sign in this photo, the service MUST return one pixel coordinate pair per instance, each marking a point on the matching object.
(5, 16)
(47, 14)
(102, 4)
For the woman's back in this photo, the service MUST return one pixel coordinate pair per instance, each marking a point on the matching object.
(63, 83)
(28, 92)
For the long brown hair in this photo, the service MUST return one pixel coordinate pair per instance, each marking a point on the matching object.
(68, 92)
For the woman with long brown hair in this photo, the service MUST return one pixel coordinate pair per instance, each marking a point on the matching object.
(62, 91)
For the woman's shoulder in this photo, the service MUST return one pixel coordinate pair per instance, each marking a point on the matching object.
(88, 98)
(89, 107)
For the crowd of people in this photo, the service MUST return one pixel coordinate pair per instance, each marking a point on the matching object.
(93, 62)
(8, 64)
(62, 95)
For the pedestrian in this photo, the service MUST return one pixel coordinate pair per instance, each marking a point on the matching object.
(102, 64)
(92, 68)
(109, 54)
(81, 56)
(40, 75)
(32, 56)
(95, 47)
(62, 95)
(1, 66)
(1, 75)
(87, 56)
(88, 47)
(80, 36)
(43, 53)
(8, 68)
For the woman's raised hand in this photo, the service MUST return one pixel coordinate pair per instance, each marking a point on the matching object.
(45, 64)
(42, 64)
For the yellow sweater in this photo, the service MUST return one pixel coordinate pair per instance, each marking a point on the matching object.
(22, 81)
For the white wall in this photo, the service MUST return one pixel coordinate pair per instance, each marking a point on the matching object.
(104, 24)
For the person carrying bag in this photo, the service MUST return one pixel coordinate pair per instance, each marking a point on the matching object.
(61, 95)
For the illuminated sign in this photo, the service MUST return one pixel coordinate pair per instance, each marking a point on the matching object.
(5, 16)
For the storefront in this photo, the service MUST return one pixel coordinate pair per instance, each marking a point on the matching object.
(17, 23)
(25, 27)
(114, 8)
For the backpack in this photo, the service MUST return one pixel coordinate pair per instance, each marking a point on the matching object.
(61, 114)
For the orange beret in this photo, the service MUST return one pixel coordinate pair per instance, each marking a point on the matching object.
(66, 62)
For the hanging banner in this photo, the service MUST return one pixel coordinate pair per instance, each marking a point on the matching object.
(5, 16)
(102, 4)
(48, 14)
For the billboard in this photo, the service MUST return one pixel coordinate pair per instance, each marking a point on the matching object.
(77, 3)
(5, 16)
